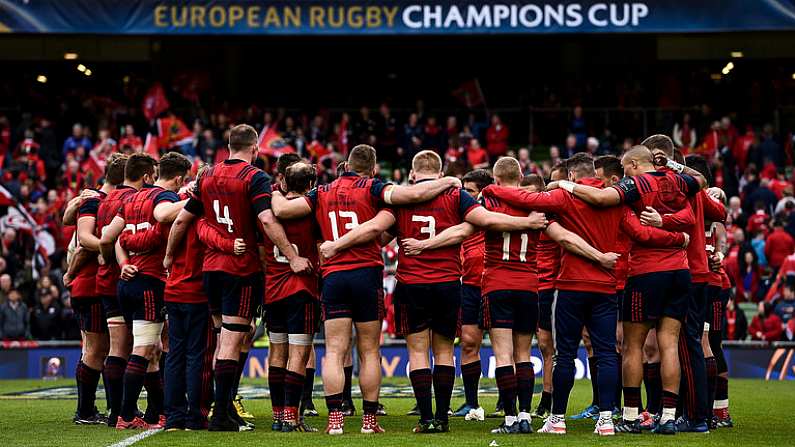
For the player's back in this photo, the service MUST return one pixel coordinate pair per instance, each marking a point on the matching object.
(424, 221)
(83, 282)
(341, 206)
(138, 213)
(280, 280)
(510, 257)
(224, 193)
(109, 207)
(184, 283)
(547, 261)
(666, 192)
(472, 252)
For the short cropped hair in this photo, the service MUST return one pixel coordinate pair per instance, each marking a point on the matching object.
(285, 161)
(138, 165)
(427, 162)
(581, 164)
(533, 180)
(700, 164)
(507, 169)
(610, 165)
(114, 170)
(173, 164)
(480, 177)
(362, 159)
(660, 142)
(300, 177)
(241, 137)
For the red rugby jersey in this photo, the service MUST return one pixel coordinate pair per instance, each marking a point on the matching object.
(109, 207)
(666, 192)
(706, 209)
(343, 205)
(472, 252)
(547, 262)
(280, 280)
(424, 221)
(621, 271)
(510, 262)
(231, 195)
(84, 283)
(138, 215)
(597, 226)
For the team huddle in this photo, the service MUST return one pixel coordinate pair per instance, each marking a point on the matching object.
(622, 254)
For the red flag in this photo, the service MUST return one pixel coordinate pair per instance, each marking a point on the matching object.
(271, 144)
(151, 146)
(469, 93)
(190, 84)
(93, 166)
(155, 102)
(172, 132)
(317, 150)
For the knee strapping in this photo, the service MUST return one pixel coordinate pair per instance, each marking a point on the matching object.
(300, 339)
(234, 327)
(278, 337)
(146, 333)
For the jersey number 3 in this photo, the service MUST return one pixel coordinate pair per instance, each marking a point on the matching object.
(225, 219)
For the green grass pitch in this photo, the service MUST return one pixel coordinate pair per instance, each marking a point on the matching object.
(762, 412)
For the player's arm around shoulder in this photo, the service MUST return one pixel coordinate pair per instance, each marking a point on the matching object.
(284, 208)
(603, 197)
(363, 233)
(421, 192)
(449, 236)
(491, 220)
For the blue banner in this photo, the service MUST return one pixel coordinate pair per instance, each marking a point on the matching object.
(50, 362)
(398, 17)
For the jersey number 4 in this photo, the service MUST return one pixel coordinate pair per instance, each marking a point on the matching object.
(351, 215)
(225, 219)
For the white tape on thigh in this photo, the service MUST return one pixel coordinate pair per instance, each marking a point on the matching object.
(146, 333)
(300, 339)
(706, 327)
(277, 337)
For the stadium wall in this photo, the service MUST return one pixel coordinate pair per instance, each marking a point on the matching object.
(746, 360)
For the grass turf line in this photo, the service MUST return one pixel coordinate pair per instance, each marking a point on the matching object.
(761, 410)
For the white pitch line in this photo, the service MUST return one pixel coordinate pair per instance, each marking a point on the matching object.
(133, 439)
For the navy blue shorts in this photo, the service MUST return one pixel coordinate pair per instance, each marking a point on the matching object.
(510, 309)
(111, 306)
(90, 314)
(716, 307)
(428, 306)
(235, 296)
(545, 299)
(296, 314)
(654, 295)
(141, 298)
(470, 304)
(356, 294)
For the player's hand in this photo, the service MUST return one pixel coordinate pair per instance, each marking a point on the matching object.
(609, 260)
(327, 250)
(660, 159)
(687, 240)
(128, 272)
(651, 217)
(538, 221)
(716, 262)
(455, 182)
(100, 259)
(300, 265)
(239, 246)
(552, 185)
(717, 194)
(412, 247)
(168, 260)
(67, 279)
(88, 194)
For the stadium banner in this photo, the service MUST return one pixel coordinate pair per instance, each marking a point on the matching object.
(770, 363)
(404, 17)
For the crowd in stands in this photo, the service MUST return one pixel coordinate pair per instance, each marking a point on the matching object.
(47, 160)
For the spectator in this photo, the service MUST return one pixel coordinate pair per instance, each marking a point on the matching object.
(592, 146)
(769, 148)
(785, 305)
(783, 207)
(571, 146)
(764, 195)
(14, 318)
(766, 325)
(497, 138)
(412, 136)
(736, 325)
(78, 139)
(524, 161)
(433, 137)
(131, 139)
(5, 286)
(779, 183)
(749, 275)
(477, 157)
(736, 216)
(778, 246)
(758, 244)
(758, 222)
(554, 155)
(684, 135)
(578, 128)
(387, 132)
(45, 320)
